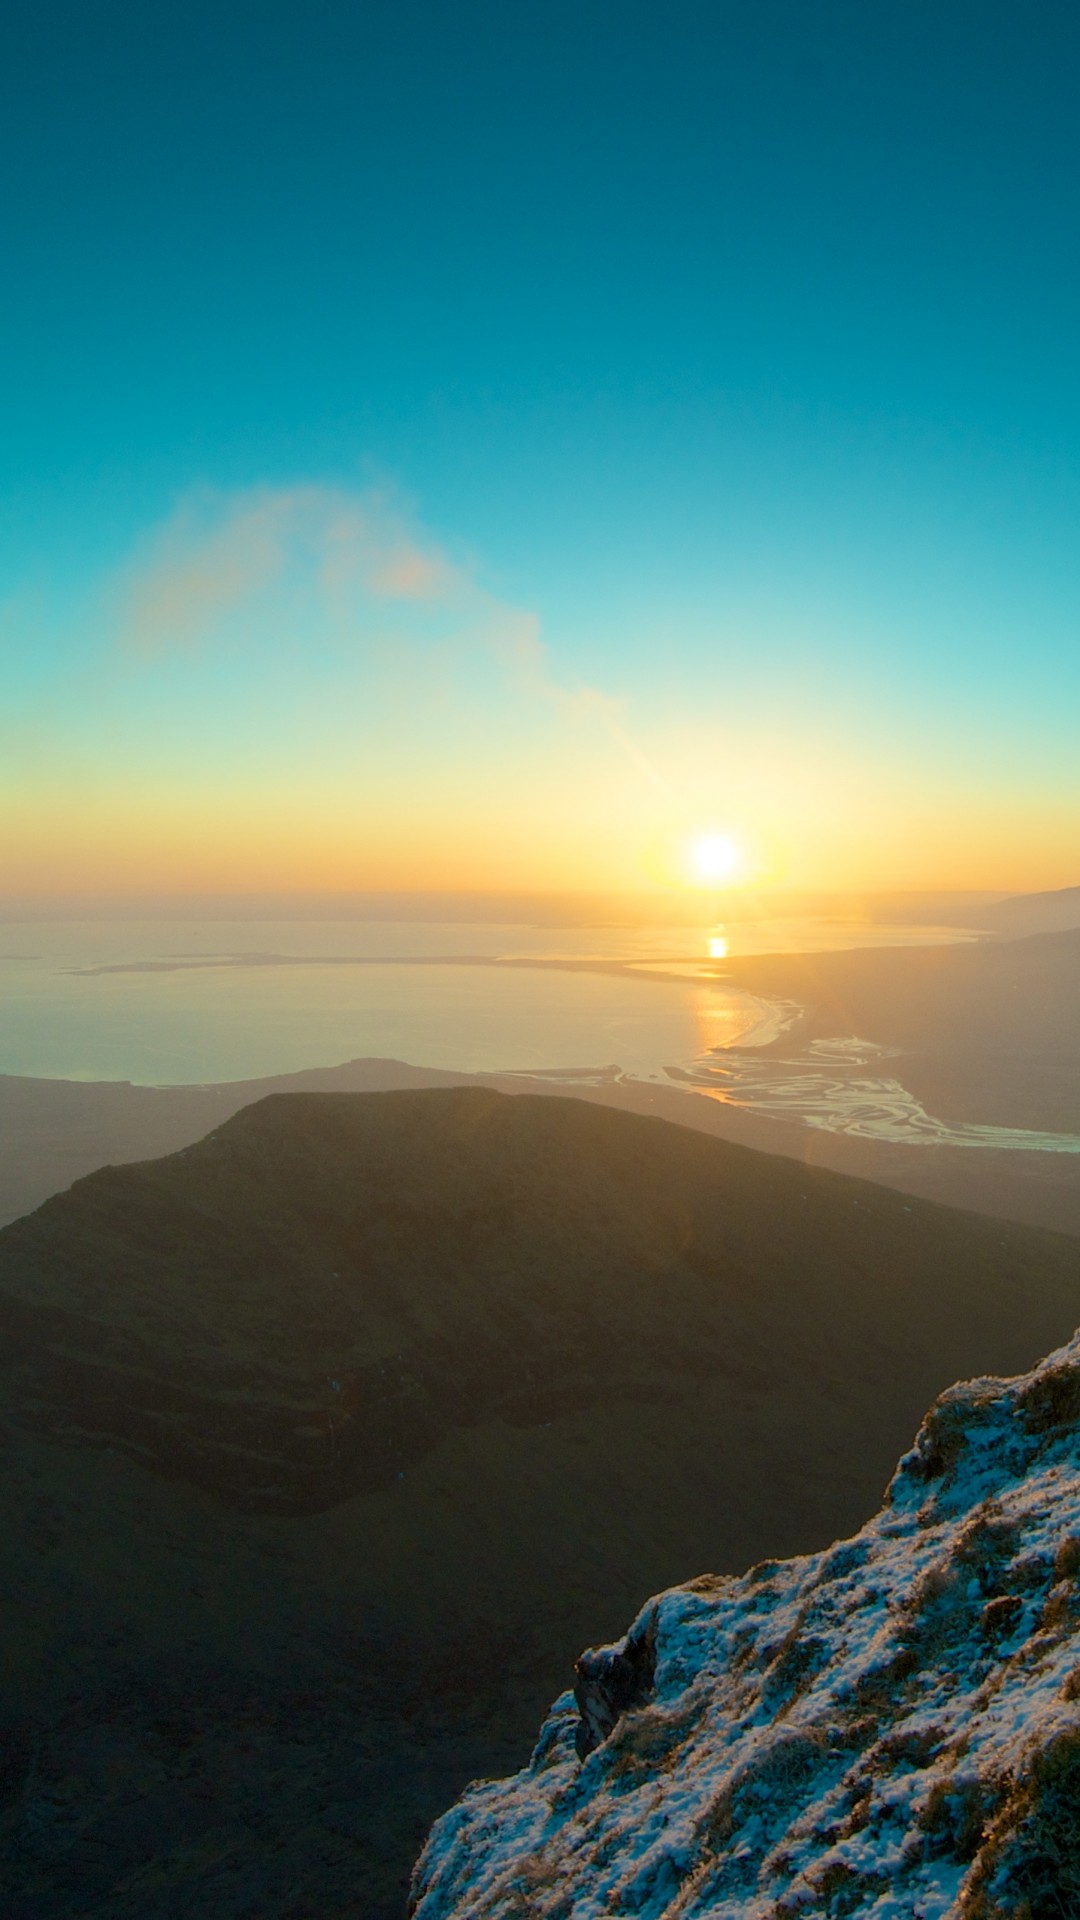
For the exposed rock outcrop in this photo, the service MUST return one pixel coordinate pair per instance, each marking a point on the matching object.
(612, 1681)
(889, 1728)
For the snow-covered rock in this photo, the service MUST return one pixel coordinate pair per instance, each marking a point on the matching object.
(887, 1728)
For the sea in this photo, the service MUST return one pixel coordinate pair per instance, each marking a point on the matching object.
(175, 1002)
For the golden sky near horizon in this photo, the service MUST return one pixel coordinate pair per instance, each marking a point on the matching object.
(299, 690)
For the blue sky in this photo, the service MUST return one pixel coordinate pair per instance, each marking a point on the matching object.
(735, 343)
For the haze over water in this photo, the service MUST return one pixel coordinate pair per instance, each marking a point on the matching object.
(182, 1002)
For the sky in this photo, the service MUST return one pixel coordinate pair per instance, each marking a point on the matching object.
(479, 445)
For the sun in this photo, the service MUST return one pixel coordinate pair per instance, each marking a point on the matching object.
(715, 857)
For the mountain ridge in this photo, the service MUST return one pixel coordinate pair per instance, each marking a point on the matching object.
(297, 1307)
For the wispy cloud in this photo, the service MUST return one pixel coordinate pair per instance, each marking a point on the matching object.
(349, 556)
(220, 551)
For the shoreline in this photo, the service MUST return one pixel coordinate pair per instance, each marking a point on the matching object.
(52, 1132)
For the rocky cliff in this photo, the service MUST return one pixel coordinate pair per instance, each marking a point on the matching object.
(890, 1727)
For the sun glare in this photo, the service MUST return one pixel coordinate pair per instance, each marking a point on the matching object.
(715, 857)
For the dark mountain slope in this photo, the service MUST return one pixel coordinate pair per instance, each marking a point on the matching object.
(55, 1131)
(258, 1633)
(300, 1307)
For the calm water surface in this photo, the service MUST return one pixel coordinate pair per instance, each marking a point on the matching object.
(188, 1002)
(176, 1002)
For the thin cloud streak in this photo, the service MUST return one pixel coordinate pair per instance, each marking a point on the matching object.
(352, 554)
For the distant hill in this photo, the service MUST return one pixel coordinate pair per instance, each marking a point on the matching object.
(329, 1441)
(54, 1131)
(1025, 913)
(994, 1037)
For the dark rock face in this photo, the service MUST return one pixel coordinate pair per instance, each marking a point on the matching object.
(611, 1681)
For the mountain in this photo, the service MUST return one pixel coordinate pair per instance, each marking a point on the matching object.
(1025, 913)
(55, 1131)
(304, 1305)
(327, 1442)
(887, 1727)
